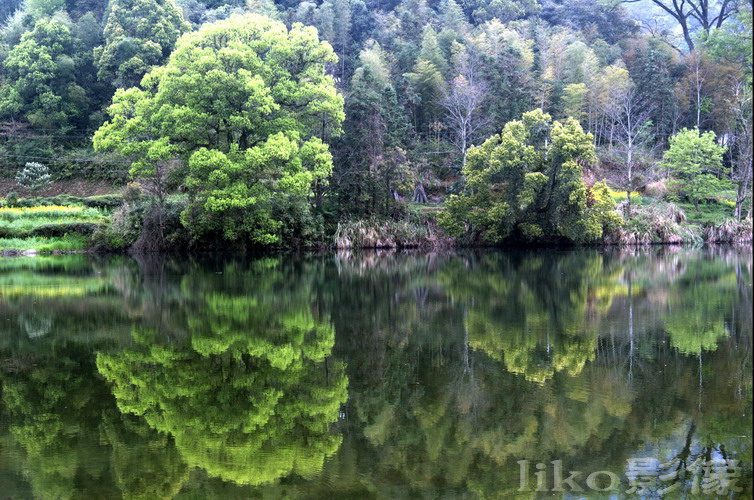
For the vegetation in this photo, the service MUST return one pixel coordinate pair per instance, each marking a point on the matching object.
(527, 181)
(48, 228)
(282, 123)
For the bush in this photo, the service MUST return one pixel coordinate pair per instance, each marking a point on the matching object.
(108, 201)
(659, 223)
(132, 193)
(123, 230)
(33, 177)
(730, 231)
(136, 226)
(11, 199)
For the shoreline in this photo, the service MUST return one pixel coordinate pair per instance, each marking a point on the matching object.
(11, 253)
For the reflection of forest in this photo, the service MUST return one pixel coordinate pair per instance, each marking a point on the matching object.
(366, 375)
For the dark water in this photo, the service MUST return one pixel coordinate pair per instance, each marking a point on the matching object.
(376, 376)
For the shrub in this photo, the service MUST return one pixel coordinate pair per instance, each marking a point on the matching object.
(659, 223)
(133, 193)
(123, 230)
(11, 199)
(108, 201)
(730, 231)
(33, 177)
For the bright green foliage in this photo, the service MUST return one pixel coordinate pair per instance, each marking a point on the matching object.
(695, 320)
(39, 77)
(696, 163)
(526, 182)
(240, 102)
(248, 408)
(139, 34)
(242, 192)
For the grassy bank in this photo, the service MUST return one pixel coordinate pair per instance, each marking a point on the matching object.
(53, 224)
(65, 223)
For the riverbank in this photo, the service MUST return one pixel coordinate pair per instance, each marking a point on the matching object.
(112, 223)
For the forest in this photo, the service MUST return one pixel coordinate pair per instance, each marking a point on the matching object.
(155, 125)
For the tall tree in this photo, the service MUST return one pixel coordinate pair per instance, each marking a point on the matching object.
(634, 139)
(40, 84)
(692, 14)
(526, 182)
(139, 34)
(463, 101)
(244, 103)
(375, 128)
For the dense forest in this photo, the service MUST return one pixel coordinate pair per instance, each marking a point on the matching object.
(229, 124)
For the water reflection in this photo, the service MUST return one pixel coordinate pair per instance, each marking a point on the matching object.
(377, 375)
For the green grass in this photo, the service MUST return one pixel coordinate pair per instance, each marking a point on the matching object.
(20, 226)
(44, 245)
(712, 213)
(47, 228)
(426, 208)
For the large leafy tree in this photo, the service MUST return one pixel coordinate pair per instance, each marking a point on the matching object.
(526, 182)
(245, 103)
(139, 34)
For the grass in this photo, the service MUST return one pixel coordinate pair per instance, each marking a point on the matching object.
(65, 243)
(708, 214)
(24, 225)
(48, 228)
(426, 208)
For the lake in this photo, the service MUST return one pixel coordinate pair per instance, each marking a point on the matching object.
(470, 374)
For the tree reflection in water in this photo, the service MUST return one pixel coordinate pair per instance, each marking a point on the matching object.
(367, 375)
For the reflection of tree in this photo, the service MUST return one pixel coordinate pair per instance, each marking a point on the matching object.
(533, 315)
(251, 399)
(700, 302)
(458, 365)
(145, 463)
(54, 404)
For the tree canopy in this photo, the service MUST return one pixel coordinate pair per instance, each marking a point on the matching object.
(527, 182)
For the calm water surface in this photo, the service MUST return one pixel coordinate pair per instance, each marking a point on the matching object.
(375, 375)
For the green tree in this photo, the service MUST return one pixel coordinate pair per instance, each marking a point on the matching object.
(526, 183)
(375, 127)
(139, 34)
(40, 78)
(245, 104)
(574, 100)
(427, 80)
(696, 163)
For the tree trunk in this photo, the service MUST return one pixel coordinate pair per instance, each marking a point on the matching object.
(419, 195)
